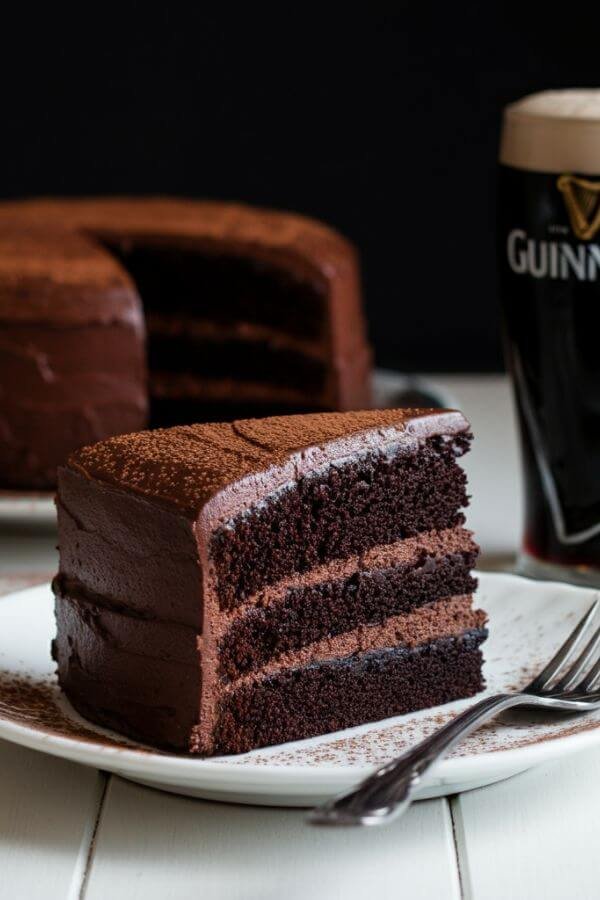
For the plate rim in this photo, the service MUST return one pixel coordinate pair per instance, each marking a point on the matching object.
(27, 507)
(237, 774)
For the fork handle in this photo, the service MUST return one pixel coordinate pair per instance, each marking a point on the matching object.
(388, 791)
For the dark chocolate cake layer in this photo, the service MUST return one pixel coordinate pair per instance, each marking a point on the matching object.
(247, 310)
(236, 287)
(216, 357)
(358, 518)
(340, 693)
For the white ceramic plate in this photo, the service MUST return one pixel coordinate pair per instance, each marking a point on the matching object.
(27, 507)
(528, 621)
(37, 507)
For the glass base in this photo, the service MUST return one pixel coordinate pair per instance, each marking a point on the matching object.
(531, 567)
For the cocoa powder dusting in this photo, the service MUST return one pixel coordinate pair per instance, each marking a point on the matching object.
(40, 705)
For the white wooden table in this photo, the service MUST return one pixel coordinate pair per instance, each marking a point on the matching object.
(69, 832)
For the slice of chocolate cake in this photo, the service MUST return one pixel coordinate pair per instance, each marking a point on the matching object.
(228, 586)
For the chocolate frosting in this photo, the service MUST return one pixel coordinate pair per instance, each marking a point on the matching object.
(231, 224)
(240, 462)
(63, 279)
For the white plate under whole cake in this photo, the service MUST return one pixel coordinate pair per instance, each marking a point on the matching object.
(528, 621)
(389, 389)
(27, 507)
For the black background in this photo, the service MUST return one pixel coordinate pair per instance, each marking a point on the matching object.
(383, 123)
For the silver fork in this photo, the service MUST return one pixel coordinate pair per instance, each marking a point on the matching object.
(569, 683)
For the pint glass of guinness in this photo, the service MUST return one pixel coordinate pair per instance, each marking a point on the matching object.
(549, 246)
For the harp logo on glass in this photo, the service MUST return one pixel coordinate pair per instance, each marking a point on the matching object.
(582, 199)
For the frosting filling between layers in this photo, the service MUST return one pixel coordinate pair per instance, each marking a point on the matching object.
(221, 332)
(243, 352)
(447, 617)
(239, 361)
(343, 594)
(406, 552)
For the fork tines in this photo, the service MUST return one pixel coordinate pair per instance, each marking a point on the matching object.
(570, 671)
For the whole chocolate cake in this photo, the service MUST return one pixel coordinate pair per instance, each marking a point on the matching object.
(248, 312)
(228, 586)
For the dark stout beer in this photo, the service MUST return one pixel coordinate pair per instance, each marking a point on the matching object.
(549, 249)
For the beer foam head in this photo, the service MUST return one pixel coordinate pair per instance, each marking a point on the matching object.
(553, 131)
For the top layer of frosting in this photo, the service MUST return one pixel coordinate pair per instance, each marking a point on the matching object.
(62, 278)
(228, 223)
(235, 464)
